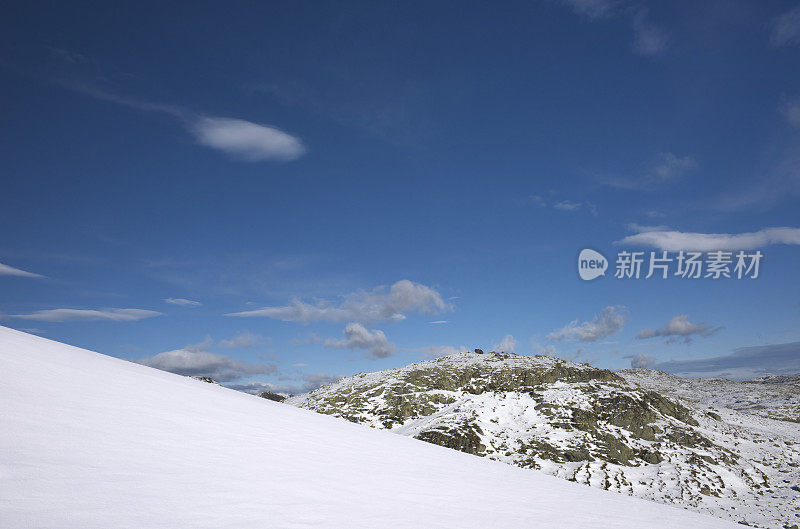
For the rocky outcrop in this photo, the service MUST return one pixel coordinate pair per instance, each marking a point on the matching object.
(272, 396)
(208, 380)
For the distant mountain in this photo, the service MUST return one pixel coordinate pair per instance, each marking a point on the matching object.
(779, 379)
(771, 396)
(615, 431)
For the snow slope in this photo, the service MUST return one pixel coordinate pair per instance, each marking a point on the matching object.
(91, 441)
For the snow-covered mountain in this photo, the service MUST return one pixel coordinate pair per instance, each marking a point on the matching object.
(620, 432)
(91, 441)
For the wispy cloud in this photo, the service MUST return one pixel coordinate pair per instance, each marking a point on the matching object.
(62, 315)
(791, 111)
(670, 167)
(243, 340)
(776, 181)
(679, 328)
(194, 360)
(592, 9)
(564, 205)
(776, 178)
(641, 228)
(666, 168)
(377, 304)
(677, 240)
(6, 270)
(786, 28)
(438, 322)
(181, 302)
(648, 39)
(537, 200)
(608, 322)
(356, 336)
(240, 139)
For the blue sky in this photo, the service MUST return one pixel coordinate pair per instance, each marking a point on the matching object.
(349, 173)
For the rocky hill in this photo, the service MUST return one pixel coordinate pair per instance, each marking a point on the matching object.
(584, 424)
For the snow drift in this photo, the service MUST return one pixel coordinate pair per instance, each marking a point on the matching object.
(91, 441)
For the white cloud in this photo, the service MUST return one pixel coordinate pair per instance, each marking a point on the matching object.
(194, 360)
(679, 328)
(245, 140)
(786, 28)
(566, 205)
(6, 270)
(61, 315)
(181, 302)
(608, 322)
(791, 111)
(676, 240)
(438, 322)
(664, 169)
(242, 340)
(670, 167)
(592, 9)
(242, 140)
(507, 345)
(537, 200)
(647, 38)
(642, 361)
(640, 228)
(777, 180)
(298, 311)
(361, 306)
(356, 336)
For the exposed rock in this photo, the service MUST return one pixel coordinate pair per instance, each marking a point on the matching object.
(272, 396)
(206, 379)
